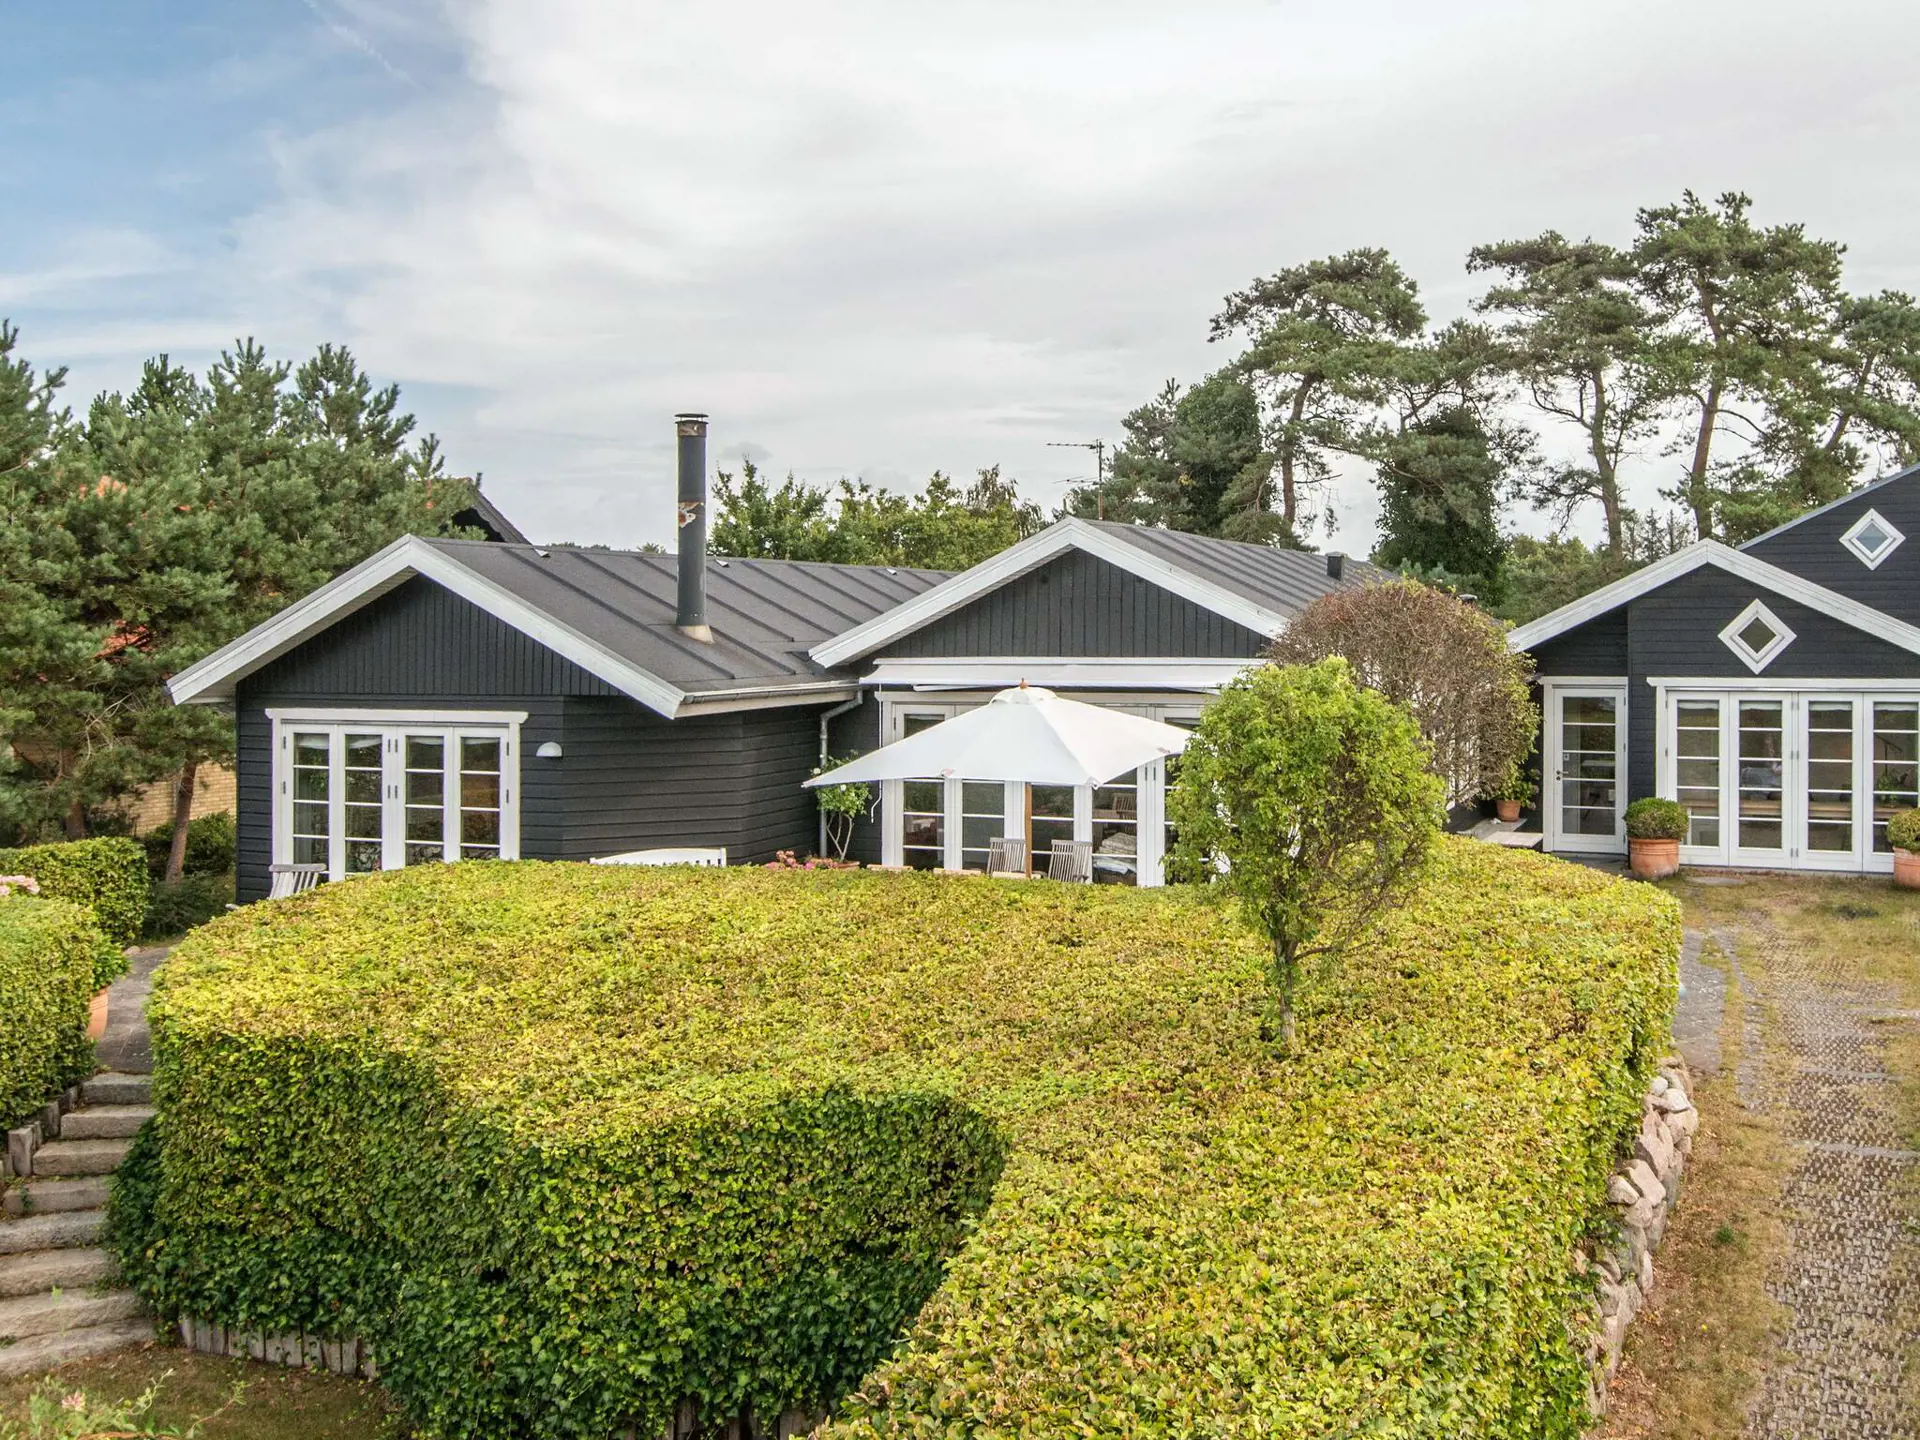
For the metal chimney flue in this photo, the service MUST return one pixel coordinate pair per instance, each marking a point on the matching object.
(691, 617)
(1336, 562)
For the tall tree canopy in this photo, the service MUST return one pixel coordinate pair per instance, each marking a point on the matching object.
(176, 517)
(942, 528)
(1321, 337)
(1188, 461)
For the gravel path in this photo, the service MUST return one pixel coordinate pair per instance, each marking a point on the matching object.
(1850, 1279)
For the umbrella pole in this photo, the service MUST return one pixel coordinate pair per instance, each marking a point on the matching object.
(1027, 792)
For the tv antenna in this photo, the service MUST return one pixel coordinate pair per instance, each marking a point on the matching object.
(1099, 448)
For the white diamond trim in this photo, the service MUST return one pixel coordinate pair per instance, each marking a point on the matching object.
(1756, 660)
(1872, 558)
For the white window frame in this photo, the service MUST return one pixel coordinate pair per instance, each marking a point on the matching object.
(1150, 808)
(1796, 854)
(1757, 660)
(1870, 558)
(1583, 687)
(393, 726)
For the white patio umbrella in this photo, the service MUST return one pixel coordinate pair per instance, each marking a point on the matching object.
(1025, 734)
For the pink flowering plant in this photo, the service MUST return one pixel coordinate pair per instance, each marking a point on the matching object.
(11, 883)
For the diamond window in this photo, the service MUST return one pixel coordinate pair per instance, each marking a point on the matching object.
(1873, 538)
(1756, 635)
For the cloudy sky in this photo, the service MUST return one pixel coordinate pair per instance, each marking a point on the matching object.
(871, 238)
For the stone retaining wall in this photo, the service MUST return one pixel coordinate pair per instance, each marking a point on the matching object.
(1641, 1195)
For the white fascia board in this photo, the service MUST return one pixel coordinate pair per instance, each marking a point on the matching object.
(213, 679)
(1735, 562)
(767, 697)
(1029, 554)
(1064, 672)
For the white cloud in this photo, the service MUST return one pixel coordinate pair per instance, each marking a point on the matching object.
(878, 239)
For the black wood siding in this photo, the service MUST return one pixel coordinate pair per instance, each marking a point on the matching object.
(1080, 605)
(1812, 550)
(628, 779)
(1674, 631)
(857, 732)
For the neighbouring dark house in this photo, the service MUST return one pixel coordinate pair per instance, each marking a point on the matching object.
(454, 699)
(1774, 690)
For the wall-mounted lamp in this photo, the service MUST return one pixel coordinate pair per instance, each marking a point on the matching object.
(549, 750)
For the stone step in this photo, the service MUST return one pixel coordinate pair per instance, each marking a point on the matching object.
(45, 1197)
(66, 1230)
(113, 1087)
(43, 1352)
(43, 1270)
(104, 1122)
(51, 1313)
(79, 1157)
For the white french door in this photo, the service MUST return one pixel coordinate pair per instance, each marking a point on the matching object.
(1800, 780)
(367, 792)
(1587, 760)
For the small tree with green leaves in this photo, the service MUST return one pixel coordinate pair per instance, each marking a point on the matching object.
(1311, 799)
(840, 806)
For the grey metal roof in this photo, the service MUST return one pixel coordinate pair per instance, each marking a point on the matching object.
(1286, 580)
(765, 614)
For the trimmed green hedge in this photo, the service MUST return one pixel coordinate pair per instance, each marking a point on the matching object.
(108, 875)
(51, 953)
(568, 1143)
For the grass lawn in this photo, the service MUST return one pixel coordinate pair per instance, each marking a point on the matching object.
(274, 1404)
(1694, 1360)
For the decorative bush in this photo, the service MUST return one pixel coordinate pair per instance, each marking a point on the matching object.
(109, 876)
(1903, 830)
(51, 956)
(211, 844)
(1651, 819)
(566, 1144)
(190, 901)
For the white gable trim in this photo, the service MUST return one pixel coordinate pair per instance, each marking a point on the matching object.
(212, 680)
(1067, 672)
(1030, 554)
(1735, 562)
(1779, 639)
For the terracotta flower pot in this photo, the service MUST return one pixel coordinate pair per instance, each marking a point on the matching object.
(1906, 869)
(1654, 859)
(97, 1016)
(1507, 810)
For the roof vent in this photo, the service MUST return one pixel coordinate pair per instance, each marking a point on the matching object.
(1336, 562)
(691, 615)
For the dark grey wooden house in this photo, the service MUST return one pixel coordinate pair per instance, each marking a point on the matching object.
(1774, 690)
(453, 699)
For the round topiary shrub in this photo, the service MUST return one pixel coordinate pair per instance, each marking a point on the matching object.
(1903, 831)
(1652, 819)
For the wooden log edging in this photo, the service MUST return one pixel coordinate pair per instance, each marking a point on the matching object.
(310, 1352)
(1641, 1195)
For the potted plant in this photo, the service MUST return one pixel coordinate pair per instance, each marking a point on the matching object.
(1903, 833)
(1655, 829)
(1511, 795)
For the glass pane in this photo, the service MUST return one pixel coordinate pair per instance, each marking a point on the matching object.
(1697, 775)
(1589, 767)
(1830, 744)
(425, 854)
(1757, 635)
(426, 787)
(479, 827)
(426, 752)
(1704, 830)
(479, 791)
(480, 753)
(309, 851)
(363, 751)
(1045, 832)
(1588, 822)
(362, 822)
(426, 824)
(977, 830)
(1832, 776)
(1053, 801)
(1577, 709)
(1759, 834)
(1115, 802)
(363, 787)
(925, 797)
(309, 784)
(309, 818)
(1896, 765)
(914, 724)
(1592, 739)
(479, 852)
(363, 857)
(1872, 539)
(983, 798)
(311, 750)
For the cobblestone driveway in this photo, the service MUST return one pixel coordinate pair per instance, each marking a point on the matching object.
(1851, 1276)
